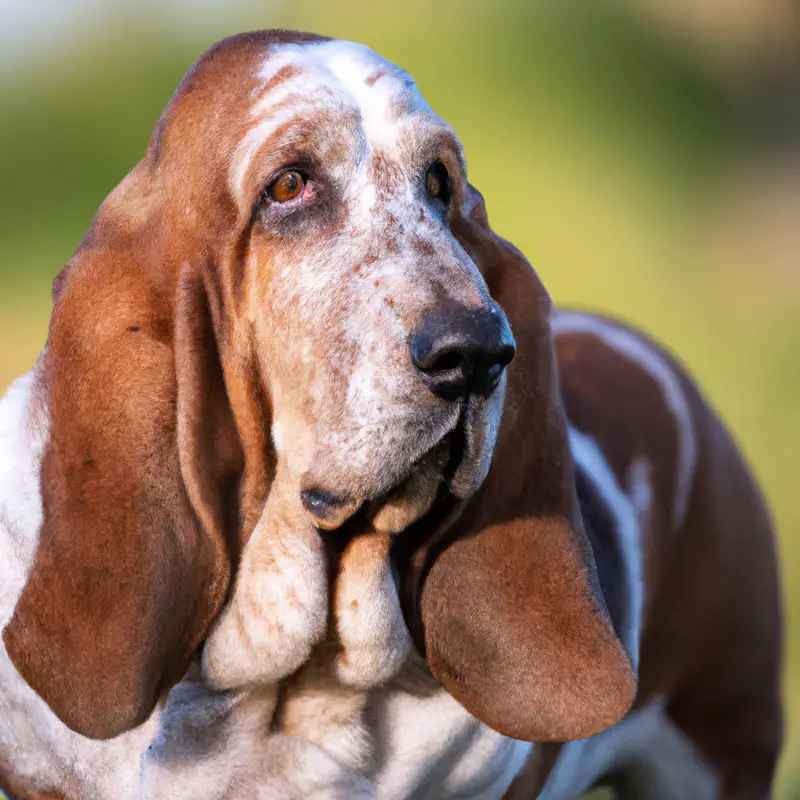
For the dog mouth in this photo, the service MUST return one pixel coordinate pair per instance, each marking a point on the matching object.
(407, 501)
(430, 476)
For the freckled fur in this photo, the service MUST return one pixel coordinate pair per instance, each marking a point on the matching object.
(240, 383)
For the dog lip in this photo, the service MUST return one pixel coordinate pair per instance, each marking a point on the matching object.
(456, 441)
(321, 503)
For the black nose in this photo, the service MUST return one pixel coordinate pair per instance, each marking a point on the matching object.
(463, 354)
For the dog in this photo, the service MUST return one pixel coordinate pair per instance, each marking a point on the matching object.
(312, 493)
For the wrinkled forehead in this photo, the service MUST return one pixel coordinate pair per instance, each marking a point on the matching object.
(326, 92)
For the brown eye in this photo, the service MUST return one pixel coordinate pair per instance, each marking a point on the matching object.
(286, 187)
(437, 181)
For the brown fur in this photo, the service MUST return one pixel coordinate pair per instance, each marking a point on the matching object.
(159, 376)
(143, 508)
(158, 464)
(556, 671)
(712, 642)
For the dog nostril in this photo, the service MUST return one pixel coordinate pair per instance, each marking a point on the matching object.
(447, 361)
(503, 357)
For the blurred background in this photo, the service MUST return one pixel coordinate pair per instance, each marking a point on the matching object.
(644, 154)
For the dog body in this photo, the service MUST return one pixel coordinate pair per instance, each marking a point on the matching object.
(425, 744)
(292, 318)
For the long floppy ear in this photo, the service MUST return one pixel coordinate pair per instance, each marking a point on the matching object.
(138, 480)
(514, 623)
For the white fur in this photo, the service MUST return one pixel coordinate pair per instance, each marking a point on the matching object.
(332, 75)
(435, 749)
(22, 440)
(634, 348)
(279, 606)
(350, 403)
(660, 762)
(373, 635)
(35, 747)
(218, 746)
(640, 490)
(588, 455)
(332, 326)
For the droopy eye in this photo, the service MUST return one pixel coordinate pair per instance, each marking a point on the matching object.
(286, 186)
(437, 181)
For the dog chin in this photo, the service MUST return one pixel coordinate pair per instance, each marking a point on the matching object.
(392, 510)
(459, 462)
(414, 497)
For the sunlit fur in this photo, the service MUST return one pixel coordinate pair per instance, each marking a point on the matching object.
(362, 717)
(332, 325)
(651, 361)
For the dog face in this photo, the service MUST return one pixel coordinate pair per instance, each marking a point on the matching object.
(293, 308)
(376, 330)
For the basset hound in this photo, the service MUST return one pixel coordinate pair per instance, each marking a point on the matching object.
(312, 494)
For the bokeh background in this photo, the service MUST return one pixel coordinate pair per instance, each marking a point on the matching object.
(644, 154)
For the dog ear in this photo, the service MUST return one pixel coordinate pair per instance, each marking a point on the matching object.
(513, 620)
(138, 480)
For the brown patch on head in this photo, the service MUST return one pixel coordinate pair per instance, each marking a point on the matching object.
(223, 82)
(281, 76)
(374, 78)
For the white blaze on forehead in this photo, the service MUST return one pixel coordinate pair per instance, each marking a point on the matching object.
(331, 75)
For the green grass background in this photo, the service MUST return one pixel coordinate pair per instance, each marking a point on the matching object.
(637, 178)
